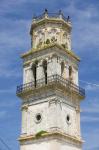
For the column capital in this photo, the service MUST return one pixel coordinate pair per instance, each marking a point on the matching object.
(24, 107)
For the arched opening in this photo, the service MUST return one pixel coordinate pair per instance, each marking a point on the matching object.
(62, 68)
(34, 68)
(45, 70)
(70, 72)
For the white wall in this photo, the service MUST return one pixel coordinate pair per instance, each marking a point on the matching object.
(49, 145)
(54, 114)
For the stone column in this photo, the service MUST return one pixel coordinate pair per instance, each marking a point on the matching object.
(34, 40)
(24, 120)
(40, 70)
(31, 77)
(78, 120)
(61, 36)
(76, 77)
(50, 67)
(64, 72)
(27, 75)
(69, 41)
(67, 71)
(55, 119)
(52, 117)
(46, 35)
(54, 67)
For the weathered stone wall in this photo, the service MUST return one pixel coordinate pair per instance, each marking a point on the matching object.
(54, 62)
(50, 145)
(50, 33)
(55, 114)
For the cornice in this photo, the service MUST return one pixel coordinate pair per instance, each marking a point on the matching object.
(33, 51)
(54, 134)
(50, 20)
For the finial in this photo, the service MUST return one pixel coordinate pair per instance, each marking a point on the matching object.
(60, 12)
(34, 16)
(46, 11)
(68, 18)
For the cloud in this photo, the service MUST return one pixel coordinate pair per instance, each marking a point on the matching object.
(92, 106)
(9, 72)
(7, 103)
(13, 41)
(85, 25)
(90, 119)
(8, 91)
(91, 136)
(93, 148)
(3, 114)
(15, 36)
(91, 110)
(16, 7)
(92, 87)
(15, 20)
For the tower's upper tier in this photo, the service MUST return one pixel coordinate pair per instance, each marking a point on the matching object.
(51, 28)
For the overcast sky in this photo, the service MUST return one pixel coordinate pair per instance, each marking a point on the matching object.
(15, 21)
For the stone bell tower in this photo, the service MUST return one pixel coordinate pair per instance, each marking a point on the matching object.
(50, 92)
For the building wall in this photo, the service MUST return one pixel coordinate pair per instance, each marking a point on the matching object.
(55, 114)
(52, 32)
(50, 145)
(53, 67)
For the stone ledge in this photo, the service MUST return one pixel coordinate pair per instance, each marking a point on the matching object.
(69, 52)
(55, 134)
(53, 86)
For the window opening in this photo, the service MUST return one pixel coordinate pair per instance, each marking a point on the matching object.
(34, 68)
(70, 71)
(62, 68)
(45, 70)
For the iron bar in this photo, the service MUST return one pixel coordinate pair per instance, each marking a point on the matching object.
(54, 79)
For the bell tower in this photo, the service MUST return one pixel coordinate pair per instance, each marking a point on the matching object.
(50, 92)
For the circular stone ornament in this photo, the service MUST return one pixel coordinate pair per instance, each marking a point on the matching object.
(38, 118)
(68, 119)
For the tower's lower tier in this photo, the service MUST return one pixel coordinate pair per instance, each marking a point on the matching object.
(55, 141)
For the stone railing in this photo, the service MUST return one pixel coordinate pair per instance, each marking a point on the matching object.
(46, 14)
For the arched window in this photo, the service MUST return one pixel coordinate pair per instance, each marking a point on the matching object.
(34, 68)
(45, 70)
(62, 68)
(70, 72)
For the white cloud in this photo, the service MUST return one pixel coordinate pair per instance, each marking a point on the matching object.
(91, 142)
(91, 110)
(12, 40)
(11, 6)
(89, 119)
(92, 87)
(7, 103)
(8, 73)
(92, 107)
(85, 27)
(9, 90)
(17, 35)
